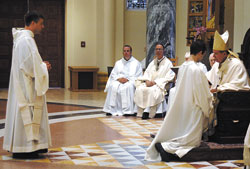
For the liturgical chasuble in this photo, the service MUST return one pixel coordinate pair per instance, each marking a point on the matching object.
(229, 75)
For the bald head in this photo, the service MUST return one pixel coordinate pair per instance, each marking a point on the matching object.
(211, 59)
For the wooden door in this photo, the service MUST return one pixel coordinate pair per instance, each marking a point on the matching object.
(50, 42)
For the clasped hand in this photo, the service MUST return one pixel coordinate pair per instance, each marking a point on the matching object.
(49, 67)
(122, 80)
(149, 83)
(213, 90)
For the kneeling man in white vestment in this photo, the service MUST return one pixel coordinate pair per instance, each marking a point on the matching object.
(120, 85)
(187, 117)
(150, 88)
(27, 131)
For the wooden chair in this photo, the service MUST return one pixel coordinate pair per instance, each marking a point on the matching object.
(110, 68)
(233, 110)
(174, 61)
(233, 116)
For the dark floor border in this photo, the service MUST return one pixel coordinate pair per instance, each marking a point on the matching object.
(74, 115)
(65, 116)
(2, 125)
(67, 104)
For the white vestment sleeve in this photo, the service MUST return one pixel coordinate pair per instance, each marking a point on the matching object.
(237, 76)
(37, 69)
(113, 76)
(161, 82)
(202, 96)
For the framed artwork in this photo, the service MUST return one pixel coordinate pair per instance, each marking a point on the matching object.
(195, 21)
(210, 16)
(190, 37)
(196, 7)
(136, 4)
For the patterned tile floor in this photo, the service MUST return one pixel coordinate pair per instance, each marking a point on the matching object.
(124, 153)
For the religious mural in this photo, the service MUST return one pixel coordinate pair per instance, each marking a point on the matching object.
(161, 16)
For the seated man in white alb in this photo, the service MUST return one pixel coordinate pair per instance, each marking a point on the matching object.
(187, 117)
(228, 72)
(211, 59)
(120, 85)
(150, 89)
(246, 154)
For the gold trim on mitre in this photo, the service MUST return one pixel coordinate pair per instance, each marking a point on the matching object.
(220, 41)
(233, 54)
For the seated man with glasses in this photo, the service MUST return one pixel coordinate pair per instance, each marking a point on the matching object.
(150, 88)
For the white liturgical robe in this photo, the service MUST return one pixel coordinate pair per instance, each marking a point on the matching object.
(26, 128)
(230, 75)
(183, 125)
(202, 67)
(246, 154)
(120, 96)
(152, 96)
(172, 90)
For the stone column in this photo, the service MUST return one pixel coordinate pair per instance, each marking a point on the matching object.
(161, 16)
(105, 34)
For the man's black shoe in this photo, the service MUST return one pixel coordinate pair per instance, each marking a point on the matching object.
(145, 116)
(152, 135)
(164, 114)
(126, 115)
(32, 155)
(165, 156)
(42, 151)
(108, 114)
(158, 115)
(163, 153)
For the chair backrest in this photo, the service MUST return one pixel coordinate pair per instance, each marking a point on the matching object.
(174, 60)
(110, 68)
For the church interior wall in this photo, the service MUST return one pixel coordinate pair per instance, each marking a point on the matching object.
(181, 30)
(80, 25)
(241, 22)
(229, 21)
(105, 26)
(135, 32)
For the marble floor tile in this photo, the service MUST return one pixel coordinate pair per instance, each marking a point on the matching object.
(83, 137)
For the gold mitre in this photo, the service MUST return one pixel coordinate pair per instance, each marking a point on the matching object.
(220, 41)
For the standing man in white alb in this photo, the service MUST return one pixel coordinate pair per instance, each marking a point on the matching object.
(120, 85)
(151, 87)
(27, 131)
